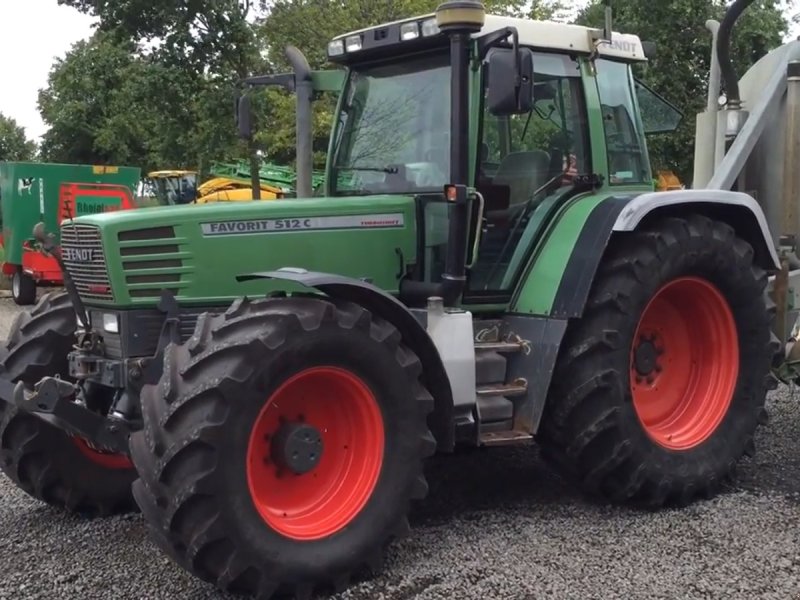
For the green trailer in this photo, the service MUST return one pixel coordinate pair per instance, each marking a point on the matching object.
(40, 192)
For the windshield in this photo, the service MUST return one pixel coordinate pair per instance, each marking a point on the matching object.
(394, 129)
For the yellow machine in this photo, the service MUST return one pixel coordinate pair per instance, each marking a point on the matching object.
(227, 189)
(668, 181)
(172, 187)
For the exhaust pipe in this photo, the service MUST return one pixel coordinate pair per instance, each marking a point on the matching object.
(304, 92)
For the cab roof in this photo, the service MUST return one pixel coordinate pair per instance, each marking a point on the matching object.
(544, 35)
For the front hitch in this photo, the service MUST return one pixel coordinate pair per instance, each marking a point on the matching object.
(53, 401)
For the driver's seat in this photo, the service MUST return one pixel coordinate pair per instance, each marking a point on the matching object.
(523, 173)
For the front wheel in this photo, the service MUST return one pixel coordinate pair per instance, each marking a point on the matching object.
(23, 288)
(46, 462)
(283, 445)
(660, 386)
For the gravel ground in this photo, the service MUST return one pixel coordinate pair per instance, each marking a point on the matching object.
(497, 524)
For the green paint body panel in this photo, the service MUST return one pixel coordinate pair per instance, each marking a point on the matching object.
(29, 189)
(184, 249)
(202, 269)
(544, 272)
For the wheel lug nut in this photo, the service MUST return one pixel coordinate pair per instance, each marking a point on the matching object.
(651, 379)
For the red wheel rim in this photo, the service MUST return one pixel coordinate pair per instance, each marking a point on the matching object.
(106, 460)
(348, 419)
(684, 363)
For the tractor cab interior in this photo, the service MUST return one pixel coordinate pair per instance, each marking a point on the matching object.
(524, 161)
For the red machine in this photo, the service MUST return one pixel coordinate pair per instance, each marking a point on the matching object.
(74, 199)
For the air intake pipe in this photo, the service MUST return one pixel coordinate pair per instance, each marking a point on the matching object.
(728, 72)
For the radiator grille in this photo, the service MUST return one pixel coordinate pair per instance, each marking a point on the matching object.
(82, 253)
(151, 262)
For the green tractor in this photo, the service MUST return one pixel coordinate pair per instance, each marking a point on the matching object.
(489, 266)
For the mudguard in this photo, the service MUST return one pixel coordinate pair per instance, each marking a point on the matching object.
(739, 210)
(387, 307)
(558, 283)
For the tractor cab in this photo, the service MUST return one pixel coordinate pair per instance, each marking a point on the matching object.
(173, 187)
(544, 113)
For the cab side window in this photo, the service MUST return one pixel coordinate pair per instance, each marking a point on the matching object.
(625, 142)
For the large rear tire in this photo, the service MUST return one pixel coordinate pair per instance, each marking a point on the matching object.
(283, 445)
(44, 461)
(659, 387)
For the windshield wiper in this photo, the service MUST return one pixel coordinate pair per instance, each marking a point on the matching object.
(390, 170)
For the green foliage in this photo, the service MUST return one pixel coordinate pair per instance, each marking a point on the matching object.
(154, 87)
(107, 103)
(14, 144)
(680, 70)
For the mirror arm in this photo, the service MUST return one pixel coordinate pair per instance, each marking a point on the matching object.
(284, 80)
(495, 38)
(518, 61)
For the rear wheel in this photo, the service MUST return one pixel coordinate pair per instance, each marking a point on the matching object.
(23, 288)
(44, 461)
(283, 445)
(660, 386)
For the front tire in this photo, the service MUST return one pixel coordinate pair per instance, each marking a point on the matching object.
(659, 387)
(283, 445)
(45, 462)
(23, 288)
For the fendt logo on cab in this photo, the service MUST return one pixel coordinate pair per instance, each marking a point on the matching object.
(623, 46)
(79, 254)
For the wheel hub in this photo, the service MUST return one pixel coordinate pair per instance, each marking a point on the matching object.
(297, 447)
(645, 357)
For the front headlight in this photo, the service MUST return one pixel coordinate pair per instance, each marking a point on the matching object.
(336, 48)
(110, 323)
(353, 43)
(409, 31)
(430, 27)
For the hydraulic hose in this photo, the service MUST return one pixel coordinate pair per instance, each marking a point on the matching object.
(727, 70)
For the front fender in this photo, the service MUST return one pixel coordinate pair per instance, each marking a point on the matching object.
(378, 302)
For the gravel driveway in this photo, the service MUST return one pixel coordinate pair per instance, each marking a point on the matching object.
(497, 524)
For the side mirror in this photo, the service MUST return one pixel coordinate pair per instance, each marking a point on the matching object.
(244, 117)
(510, 82)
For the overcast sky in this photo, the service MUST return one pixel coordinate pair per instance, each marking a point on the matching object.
(34, 34)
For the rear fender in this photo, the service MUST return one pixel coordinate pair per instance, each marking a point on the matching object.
(559, 283)
(739, 210)
(414, 334)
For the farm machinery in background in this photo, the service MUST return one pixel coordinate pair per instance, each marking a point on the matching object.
(265, 380)
(229, 182)
(51, 193)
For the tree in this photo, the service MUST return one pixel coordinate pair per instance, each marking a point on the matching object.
(678, 28)
(14, 145)
(211, 42)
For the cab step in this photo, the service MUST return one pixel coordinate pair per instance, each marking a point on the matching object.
(501, 347)
(514, 389)
(505, 438)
